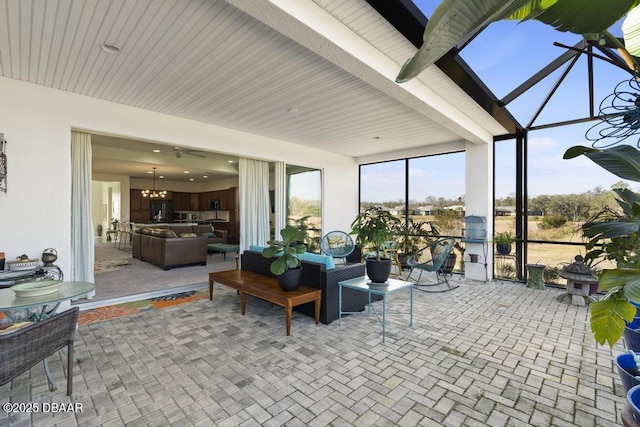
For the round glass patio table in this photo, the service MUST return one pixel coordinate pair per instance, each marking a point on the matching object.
(36, 308)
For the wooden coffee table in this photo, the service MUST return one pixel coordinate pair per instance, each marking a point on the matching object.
(266, 288)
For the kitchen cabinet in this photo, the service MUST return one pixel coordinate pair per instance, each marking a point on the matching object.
(194, 202)
(134, 199)
(181, 201)
(223, 196)
(204, 201)
(139, 206)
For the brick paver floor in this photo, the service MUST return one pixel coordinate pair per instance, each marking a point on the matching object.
(485, 354)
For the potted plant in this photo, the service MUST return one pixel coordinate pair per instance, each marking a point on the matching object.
(373, 228)
(503, 242)
(628, 365)
(287, 266)
(412, 236)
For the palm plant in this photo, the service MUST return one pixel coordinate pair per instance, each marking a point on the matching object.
(618, 234)
(453, 20)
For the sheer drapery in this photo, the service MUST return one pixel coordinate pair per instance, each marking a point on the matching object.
(280, 199)
(254, 202)
(82, 249)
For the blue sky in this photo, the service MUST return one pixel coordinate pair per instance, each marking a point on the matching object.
(505, 55)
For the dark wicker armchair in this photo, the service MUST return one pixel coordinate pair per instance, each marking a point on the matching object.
(31, 344)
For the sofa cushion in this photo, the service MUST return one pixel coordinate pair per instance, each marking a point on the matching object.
(181, 229)
(306, 256)
(162, 232)
(201, 229)
(319, 258)
(209, 235)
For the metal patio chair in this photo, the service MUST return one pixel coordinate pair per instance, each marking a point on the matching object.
(431, 258)
(337, 244)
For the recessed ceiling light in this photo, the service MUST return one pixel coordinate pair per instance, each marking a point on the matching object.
(205, 176)
(186, 171)
(191, 179)
(111, 49)
(161, 177)
(149, 171)
(156, 151)
(230, 161)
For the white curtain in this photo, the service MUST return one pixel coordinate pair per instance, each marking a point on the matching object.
(254, 202)
(280, 201)
(82, 249)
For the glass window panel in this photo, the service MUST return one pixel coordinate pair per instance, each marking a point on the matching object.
(383, 184)
(436, 191)
(304, 203)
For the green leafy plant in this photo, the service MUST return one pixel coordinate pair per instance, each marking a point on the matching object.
(504, 238)
(621, 285)
(453, 20)
(288, 250)
(373, 228)
(413, 235)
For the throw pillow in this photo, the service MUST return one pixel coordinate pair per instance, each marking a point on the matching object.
(208, 235)
(162, 232)
(188, 235)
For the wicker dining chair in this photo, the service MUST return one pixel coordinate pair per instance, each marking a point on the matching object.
(25, 347)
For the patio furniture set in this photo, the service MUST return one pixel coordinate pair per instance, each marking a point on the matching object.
(327, 293)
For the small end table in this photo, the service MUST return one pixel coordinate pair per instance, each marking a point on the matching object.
(364, 284)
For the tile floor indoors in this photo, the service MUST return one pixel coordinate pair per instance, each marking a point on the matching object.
(485, 354)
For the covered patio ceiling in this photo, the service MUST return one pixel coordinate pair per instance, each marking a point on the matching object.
(316, 73)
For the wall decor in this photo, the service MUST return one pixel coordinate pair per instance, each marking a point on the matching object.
(3, 164)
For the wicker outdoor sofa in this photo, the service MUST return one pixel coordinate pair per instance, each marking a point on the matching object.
(316, 275)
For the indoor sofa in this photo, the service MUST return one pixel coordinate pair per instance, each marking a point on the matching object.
(163, 248)
(320, 275)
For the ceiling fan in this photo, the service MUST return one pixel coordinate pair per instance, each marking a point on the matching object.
(180, 151)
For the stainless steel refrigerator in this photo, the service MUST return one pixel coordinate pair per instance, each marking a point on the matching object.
(161, 211)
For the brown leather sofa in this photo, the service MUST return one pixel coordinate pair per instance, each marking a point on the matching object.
(219, 236)
(166, 249)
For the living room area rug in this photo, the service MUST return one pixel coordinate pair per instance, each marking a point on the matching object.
(134, 307)
(108, 258)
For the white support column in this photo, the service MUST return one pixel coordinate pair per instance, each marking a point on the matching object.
(479, 201)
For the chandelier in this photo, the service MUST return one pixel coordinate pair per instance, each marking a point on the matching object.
(153, 193)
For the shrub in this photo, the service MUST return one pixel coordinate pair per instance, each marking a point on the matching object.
(552, 221)
(551, 274)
